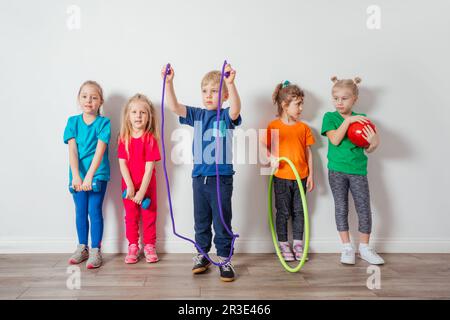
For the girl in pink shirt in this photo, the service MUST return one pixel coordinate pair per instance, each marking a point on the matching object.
(138, 152)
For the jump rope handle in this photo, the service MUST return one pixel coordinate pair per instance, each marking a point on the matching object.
(227, 74)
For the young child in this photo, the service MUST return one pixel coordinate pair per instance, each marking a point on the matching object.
(294, 142)
(347, 168)
(206, 211)
(137, 152)
(88, 137)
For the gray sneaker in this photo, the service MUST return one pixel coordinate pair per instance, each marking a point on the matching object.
(80, 255)
(95, 258)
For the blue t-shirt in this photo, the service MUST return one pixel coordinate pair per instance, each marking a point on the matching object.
(204, 144)
(86, 137)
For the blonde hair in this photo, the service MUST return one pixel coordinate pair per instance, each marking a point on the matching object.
(286, 94)
(99, 89)
(126, 127)
(214, 77)
(346, 83)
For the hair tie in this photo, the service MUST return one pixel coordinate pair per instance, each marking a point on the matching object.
(285, 84)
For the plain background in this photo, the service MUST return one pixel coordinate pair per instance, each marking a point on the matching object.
(124, 44)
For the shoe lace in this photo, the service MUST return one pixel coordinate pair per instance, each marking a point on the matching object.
(228, 266)
(198, 258)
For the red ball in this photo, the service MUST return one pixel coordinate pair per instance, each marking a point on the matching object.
(355, 133)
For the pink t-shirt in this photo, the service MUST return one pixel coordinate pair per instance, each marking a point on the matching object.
(140, 151)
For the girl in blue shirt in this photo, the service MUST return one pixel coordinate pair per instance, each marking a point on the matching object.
(88, 135)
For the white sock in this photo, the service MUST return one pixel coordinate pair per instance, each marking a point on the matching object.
(283, 243)
(347, 245)
(363, 246)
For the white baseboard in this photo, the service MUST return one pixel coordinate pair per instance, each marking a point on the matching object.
(317, 245)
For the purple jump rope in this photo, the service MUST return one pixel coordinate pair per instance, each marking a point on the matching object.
(226, 74)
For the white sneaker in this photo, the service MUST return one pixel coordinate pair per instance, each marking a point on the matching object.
(348, 255)
(370, 256)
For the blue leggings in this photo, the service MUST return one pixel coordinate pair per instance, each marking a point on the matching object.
(89, 203)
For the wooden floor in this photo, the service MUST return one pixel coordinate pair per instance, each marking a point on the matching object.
(260, 276)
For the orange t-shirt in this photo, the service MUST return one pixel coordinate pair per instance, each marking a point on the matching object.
(292, 143)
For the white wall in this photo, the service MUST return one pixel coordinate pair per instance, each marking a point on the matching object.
(124, 44)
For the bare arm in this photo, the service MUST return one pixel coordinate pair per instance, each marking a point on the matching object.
(73, 161)
(310, 179)
(127, 178)
(177, 108)
(99, 152)
(235, 100)
(337, 135)
(149, 165)
(372, 137)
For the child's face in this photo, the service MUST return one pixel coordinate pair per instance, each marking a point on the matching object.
(138, 115)
(294, 108)
(343, 100)
(210, 95)
(90, 99)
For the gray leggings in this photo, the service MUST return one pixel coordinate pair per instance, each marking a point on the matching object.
(340, 183)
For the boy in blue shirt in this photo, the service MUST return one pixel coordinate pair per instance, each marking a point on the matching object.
(206, 211)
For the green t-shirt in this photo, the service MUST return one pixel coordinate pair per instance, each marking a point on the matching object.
(345, 157)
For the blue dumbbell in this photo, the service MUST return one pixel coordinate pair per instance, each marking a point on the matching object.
(96, 187)
(145, 203)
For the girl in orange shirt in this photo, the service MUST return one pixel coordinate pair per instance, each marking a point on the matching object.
(288, 137)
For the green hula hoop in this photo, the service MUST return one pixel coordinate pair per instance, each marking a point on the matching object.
(305, 213)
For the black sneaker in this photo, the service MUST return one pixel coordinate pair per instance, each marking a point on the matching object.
(227, 272)
(201, 264)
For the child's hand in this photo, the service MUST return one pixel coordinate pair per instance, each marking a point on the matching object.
(130, 192)
(139, 197)
(310, 183)
(76, 183)
(87, 183)
(230, 79)
(274, 162)
(169, 78)
(360, 119)
(370, 135)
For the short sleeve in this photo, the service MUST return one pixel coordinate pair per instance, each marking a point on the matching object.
(152, 150)
(121, 151)
(69, 131)
(327, 124)
(231, 124)
(104, 133)
(309, 137)
(192, 114)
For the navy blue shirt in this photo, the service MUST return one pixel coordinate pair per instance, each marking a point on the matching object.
(204, 144)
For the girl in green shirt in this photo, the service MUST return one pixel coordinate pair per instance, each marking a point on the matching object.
(347, 169)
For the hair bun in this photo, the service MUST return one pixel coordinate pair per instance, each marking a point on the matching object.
(357, 80)
(334, 79)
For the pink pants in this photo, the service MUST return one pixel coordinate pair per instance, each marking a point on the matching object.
(133, 213)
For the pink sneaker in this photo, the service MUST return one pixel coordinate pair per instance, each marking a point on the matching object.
(286, 251)
(298, 251)
(150, 253)
(133, 254)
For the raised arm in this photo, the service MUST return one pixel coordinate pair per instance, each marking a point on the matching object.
(235, 100)
(172, 102)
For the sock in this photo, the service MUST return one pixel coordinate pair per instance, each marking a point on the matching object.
(347, 245)
(286, 243)
(298, 242)
(363, 246)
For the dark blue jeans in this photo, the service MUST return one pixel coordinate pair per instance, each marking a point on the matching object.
(206, 212)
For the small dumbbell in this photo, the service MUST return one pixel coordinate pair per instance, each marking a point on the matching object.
(96, 187)
(145, 203)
